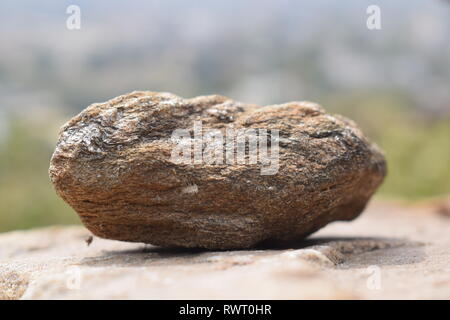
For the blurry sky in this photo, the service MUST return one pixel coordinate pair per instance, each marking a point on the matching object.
(251, 50)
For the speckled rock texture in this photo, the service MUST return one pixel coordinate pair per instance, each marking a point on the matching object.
(113, 165)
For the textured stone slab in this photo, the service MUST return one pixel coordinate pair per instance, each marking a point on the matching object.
(391, 252)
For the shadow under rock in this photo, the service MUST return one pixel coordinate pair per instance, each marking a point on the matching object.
(145, 255)
(356, 252)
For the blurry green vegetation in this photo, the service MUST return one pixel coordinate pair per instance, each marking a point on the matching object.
(417, 148)
(418, 156)
(416, 144)
(27, 198)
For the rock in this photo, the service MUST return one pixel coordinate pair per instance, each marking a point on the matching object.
(124, 166)
(391, 252)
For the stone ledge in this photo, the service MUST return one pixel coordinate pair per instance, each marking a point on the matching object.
(390, 252)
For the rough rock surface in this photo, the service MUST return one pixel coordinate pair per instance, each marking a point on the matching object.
(113, 165)
(391, 252)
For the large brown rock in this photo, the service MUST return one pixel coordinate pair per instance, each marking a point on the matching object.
(113, 164)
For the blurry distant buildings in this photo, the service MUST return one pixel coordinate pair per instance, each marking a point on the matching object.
(254, 51)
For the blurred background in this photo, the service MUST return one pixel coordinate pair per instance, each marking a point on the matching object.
(395, 82)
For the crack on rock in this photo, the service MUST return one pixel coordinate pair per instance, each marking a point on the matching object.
(325, 134)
